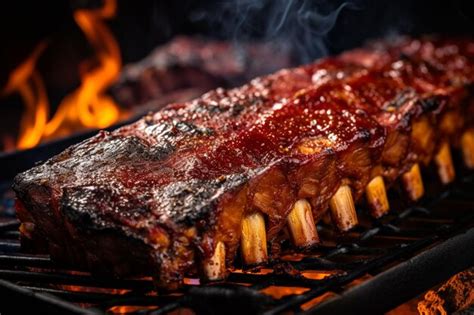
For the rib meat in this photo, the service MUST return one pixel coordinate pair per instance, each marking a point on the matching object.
(186, 66)
(159, 195)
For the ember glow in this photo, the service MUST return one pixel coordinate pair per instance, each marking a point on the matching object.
(129, 309)
(87, 106)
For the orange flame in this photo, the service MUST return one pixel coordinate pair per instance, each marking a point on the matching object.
(128, 309)
(27, 81)
(87, 106)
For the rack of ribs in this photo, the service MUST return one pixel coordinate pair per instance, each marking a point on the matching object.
(187, 189)
(187, 67)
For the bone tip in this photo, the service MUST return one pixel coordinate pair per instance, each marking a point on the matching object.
(214, 267)
(343, 211)
(302, 226)
(254, 239)
(413, 183)
(377, 197)
(444, 164)
(467, 146)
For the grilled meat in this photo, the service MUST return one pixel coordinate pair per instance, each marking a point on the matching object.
(186, 66)
(179, 191)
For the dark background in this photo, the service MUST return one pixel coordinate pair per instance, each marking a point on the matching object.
(142, 25)
(310, 28)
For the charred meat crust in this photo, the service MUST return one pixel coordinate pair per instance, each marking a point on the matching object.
(156, 196)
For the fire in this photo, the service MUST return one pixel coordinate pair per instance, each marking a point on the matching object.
(76, 288)
(87, 106)
(28, 83)
(128, 309)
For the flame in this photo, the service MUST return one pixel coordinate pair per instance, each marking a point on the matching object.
(127, 309)
(28, 83)
(317, 275)
(76, 288)
(87, 106)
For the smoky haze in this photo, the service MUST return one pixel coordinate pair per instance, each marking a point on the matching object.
(301, 25)
(316, 28)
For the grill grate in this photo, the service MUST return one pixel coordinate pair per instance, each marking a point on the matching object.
(387, 261)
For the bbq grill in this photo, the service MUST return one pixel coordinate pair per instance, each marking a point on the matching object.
(374, 268)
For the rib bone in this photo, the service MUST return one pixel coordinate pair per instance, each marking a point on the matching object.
(444, 163)
(343, 212)
(377, 197)
(254, 239)
(214, 267)
(301, 224)
(413, 183)
(467, 146)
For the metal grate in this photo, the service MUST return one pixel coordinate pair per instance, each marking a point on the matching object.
(374, 268)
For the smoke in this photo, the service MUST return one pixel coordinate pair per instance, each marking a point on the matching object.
(302, 25)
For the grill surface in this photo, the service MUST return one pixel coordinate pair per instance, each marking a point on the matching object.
(372, 269)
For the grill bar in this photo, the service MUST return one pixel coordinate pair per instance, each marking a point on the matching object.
(403, 254)
(391, 288)
(24, 260)
(34, 276)
(11, 224)
(48, 304)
